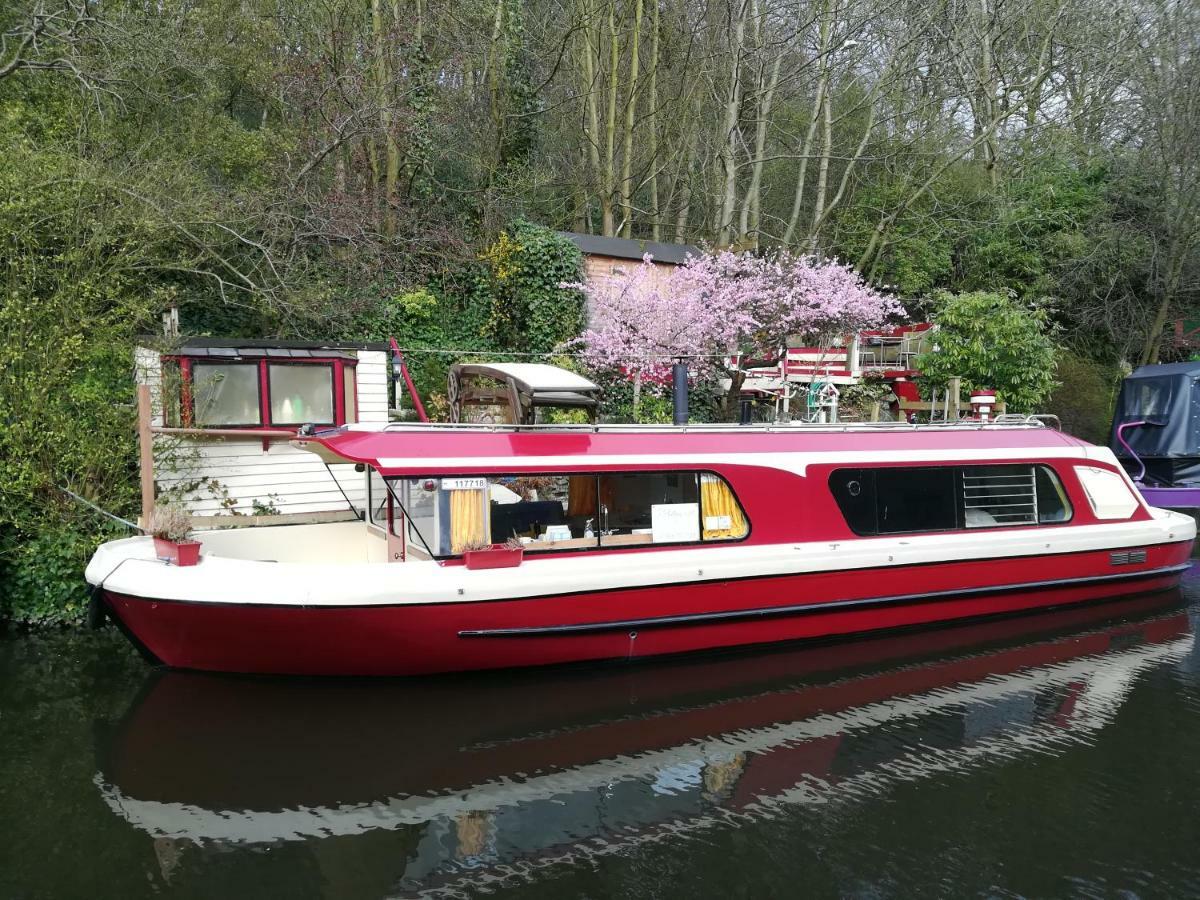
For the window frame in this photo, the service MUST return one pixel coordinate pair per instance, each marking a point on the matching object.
(396, 480)
(190, 397)
(957, 470)
(343, 371)
(334, 372)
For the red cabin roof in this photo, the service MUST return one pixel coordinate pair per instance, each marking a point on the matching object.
(404, 449)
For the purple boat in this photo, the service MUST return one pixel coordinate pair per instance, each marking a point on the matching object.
(1156, 433)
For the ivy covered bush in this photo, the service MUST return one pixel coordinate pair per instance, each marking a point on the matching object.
(530, 309)
(512, 300)
(43, 575)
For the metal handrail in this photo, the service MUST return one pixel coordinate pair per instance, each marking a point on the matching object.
(1006, 422)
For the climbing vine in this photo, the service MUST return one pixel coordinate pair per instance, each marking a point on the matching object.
(530, 309)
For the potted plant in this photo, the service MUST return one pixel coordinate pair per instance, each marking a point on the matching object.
(171, 527)
(494, 556)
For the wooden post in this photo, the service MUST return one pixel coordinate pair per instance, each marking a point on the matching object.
(955, 389)
(146, 448)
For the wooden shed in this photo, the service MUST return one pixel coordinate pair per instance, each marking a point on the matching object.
(230, 406)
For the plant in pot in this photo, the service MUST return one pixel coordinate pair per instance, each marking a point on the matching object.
(171, 528)
(482, 555)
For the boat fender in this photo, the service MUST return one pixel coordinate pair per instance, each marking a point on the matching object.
(96, 615)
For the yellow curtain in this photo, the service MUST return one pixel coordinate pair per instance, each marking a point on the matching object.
(466, 520)
(716, 499)
(581, 495)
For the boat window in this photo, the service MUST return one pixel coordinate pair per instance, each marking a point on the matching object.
(915, 499)
(649, 508)
(420, 497)
(1053, 505)
(225, 394)
(377, 499)
(1107, 493)
(545, 512)
(999, 495)
(572, 512)
(301, 392)
(899, 499)
(721, 516)
(854, 491)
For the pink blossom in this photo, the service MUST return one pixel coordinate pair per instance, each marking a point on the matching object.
(717, 305)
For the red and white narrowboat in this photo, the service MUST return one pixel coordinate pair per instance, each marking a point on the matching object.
(496, 546)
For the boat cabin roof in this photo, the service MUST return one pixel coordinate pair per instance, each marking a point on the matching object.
(419, 449)
(531, 377)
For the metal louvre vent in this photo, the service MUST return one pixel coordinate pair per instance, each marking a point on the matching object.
(1127, 557)
(1002, 496)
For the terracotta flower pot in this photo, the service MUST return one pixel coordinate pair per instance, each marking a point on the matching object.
(182, 553)
(497, 556)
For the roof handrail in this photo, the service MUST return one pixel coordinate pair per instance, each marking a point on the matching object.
(1008, 421)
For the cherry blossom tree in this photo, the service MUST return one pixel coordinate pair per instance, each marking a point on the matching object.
(720, 305)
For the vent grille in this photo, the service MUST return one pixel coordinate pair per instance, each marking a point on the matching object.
(1127, 557)
(1005, 497)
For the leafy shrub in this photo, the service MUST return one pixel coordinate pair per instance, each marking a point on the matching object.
(1083, 399)
(43, 576)
(991, 341)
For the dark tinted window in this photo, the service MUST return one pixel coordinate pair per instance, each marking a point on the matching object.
(854, 491)
(897, 500)
(915, 499)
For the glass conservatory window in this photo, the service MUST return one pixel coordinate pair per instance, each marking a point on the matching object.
(225, 394)
(301, 393)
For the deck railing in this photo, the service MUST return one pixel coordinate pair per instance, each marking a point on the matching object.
(1009, 421)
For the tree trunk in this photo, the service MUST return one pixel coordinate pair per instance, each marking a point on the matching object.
(656, 227)
(610, 128)
(814, 119)
(630, 119)
(728, 137)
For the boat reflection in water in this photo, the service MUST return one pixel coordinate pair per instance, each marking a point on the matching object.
(481, 780)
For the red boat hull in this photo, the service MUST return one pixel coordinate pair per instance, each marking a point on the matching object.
(411, 639)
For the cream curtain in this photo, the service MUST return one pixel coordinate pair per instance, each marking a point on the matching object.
(467, 524)
(716, 499)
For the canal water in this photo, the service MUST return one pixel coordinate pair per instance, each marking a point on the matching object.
(1043, 756)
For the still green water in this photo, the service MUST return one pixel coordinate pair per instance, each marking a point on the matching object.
(1044, 756)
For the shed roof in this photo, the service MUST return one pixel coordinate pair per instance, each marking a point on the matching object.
(625, 248)
(205, 346)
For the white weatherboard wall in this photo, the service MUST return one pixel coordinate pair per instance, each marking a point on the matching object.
(230, 474)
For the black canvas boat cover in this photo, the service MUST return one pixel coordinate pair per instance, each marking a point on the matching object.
(1168, 396)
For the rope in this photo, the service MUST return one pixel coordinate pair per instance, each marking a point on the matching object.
(103, 512)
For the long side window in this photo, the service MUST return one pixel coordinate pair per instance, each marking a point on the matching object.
(904, 500)
(572, 512)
